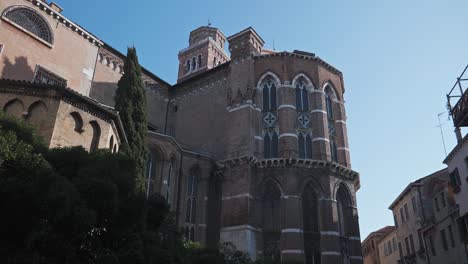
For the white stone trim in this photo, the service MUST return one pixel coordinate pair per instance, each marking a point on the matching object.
(242, 106)
(343, 148)
(318, 111)
(292, 251)
(354, 238)
(288, 135)
(340, 121)
(330, 233)
(239, 228)
(286, 106)
(292, 230)
(356, 257)
(331, 253)
(242, 195)
(318, 91)
(320, 139)
(290, 196)
(258, 138)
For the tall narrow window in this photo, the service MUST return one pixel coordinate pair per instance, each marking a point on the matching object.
(452, 240)
(194, 63)
(436, 202)
(431, 244)
(413, 202)
(168, 182)
(305, 146)
(199, 61)
(302, 96)
(270, 126)
(444, 239)
(191, 207)
(402, 215)
(96, 129)
(412, 244)
(311, 218)
(406, 212)
(329, 95)
(188, 66)
(271, 222)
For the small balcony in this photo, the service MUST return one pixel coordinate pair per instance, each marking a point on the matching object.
(457, 101)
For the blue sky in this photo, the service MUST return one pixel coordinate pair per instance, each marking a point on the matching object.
(399, 59)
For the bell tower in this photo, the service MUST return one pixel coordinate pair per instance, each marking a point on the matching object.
(205, 51)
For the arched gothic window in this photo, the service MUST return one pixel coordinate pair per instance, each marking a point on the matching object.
(192, 188)
(271, 221)
(305, 145)
(269, 95)
(270, 138)
(78, 122)
(311, 227)
(168, 182)
(31, 21)
(270, 145)
(345, 215)
(199, 61)
(302, 96)
(329, 96)
(188, 65)
(150, 174)
(194, 63)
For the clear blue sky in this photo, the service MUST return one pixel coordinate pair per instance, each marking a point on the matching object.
(399, 59)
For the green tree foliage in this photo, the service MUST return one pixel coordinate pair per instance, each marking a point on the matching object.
(130, 102)
(70, 206)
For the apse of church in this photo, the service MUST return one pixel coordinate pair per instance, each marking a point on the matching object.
(249, 146)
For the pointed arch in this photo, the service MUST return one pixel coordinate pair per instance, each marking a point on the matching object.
(37, 113)
(96, 129)
(345, 209)
(14, 107)
(31, 21)
(78, 120)
(308, 81)
(329, 88)
(270, 74)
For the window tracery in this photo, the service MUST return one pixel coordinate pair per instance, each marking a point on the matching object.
(31, 21)
(270, 118)
(329, 96)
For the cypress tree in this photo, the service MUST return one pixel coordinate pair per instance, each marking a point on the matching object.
(130, 102)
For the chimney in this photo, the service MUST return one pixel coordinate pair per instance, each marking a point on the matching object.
(56, 7)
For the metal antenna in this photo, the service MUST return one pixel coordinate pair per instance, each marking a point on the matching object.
(442, 132)
(274, 44)
(209, 22)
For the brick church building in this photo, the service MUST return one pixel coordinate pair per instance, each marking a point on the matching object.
(248, 146)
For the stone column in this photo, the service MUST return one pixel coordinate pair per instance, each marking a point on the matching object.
(320, 143)
(292, 239)
(341, 134)
(288, 146)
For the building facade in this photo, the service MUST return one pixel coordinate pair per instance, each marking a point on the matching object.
(388, 248)
(249, 147)
(374, 247)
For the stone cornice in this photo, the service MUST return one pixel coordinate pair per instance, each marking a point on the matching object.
(66, 95)
(333, 167)
(305, 57)
(66, 22)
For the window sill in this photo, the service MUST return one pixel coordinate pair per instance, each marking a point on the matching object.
(27, 32)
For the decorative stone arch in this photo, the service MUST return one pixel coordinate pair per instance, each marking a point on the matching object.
(37, 113)
(78, 120)
(96, 129)
(31, 21)
(341, 184)
(310, 84)
(14, 107)
(268, 74)
(329, 85)
(269, 180)
(314, 185)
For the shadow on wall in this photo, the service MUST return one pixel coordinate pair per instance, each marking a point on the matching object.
(104, 92)
(19, 70)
